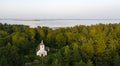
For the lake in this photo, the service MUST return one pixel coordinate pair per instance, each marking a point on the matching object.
(60, 23)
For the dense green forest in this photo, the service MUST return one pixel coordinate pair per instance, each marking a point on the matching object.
(95, 45)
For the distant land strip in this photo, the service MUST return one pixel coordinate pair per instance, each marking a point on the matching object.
(50, 19)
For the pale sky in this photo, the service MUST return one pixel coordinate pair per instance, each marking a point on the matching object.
(65, 9)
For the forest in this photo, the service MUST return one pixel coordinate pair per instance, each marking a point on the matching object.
(94, 45)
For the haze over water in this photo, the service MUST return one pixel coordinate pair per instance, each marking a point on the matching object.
(59, 23)
(59, 9)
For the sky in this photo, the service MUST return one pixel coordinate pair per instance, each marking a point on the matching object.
(60, 9)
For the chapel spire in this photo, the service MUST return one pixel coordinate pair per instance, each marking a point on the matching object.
(42, 42)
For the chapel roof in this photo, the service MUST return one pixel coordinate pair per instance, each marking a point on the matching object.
(42, 43)
(38, 47)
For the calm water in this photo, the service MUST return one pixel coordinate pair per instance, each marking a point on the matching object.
(59, 23)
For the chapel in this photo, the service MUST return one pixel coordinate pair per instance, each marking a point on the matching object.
(41, 50)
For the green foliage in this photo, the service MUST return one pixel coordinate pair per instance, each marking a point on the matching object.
(60, 40)
(95, 45)
(21, 41)
(89, 63)
(81, 63)
(9, 56)
(75, 52)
